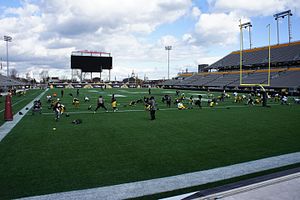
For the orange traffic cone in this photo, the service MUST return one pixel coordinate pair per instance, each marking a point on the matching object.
(8, 115)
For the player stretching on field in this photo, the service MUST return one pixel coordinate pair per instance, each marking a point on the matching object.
(152, 104)
(198, 101)
(191, 101)
(100, 103)
(168, 100)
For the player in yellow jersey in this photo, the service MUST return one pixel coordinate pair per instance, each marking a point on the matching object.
(180, 106)
(114, 103)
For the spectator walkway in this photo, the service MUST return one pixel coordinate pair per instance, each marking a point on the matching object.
(274, 189)
(276, 186)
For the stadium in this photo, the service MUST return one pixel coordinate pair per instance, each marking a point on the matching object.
(228, 129)
(284, 70)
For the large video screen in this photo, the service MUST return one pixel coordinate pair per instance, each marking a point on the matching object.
(91, 63)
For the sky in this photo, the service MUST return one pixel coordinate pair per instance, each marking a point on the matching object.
(135, 32)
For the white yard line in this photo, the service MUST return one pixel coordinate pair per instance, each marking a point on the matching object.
(161, 109)
(159, 185)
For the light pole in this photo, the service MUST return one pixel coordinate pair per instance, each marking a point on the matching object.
(7, 39)
(247, 25)
(282, 15)
(269, 74)
(168, 48)
(241, 51)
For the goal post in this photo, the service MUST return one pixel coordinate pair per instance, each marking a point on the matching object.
(241, 60)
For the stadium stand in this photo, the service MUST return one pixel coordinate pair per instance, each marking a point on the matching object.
(9, 82)
(284, 73)
(282, 54)
(172, 82)
(287, 79)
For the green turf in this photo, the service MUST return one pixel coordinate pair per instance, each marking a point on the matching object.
(112, 148)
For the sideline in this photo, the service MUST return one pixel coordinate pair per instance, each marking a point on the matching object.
(15, 103)
(160, 185)
(9, 125)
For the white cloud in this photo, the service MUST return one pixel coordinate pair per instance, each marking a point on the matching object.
(208, 60)
(218, 28)
(26, 11)
(196, 12)
(168, 40)
(188, 38)
(255, 8)
(45, 32)
(75, 17)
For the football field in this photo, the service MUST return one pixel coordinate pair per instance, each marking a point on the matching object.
(41, 155)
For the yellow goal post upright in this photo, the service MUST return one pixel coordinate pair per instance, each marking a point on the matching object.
(241, 60)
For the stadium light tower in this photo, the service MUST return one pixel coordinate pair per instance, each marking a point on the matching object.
(282, 15)
(247, 25)
(168, 48)
(7, 39)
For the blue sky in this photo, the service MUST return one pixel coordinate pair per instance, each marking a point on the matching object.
(200, 31)
(10, 3)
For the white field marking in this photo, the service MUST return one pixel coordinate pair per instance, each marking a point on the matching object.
(96, 91)
(198, 94)
(204, 99)
(160, 109)
(119, 111)
(125, 91)
(189, 92)
(169, 92)
(117, 95)
(176, 182)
